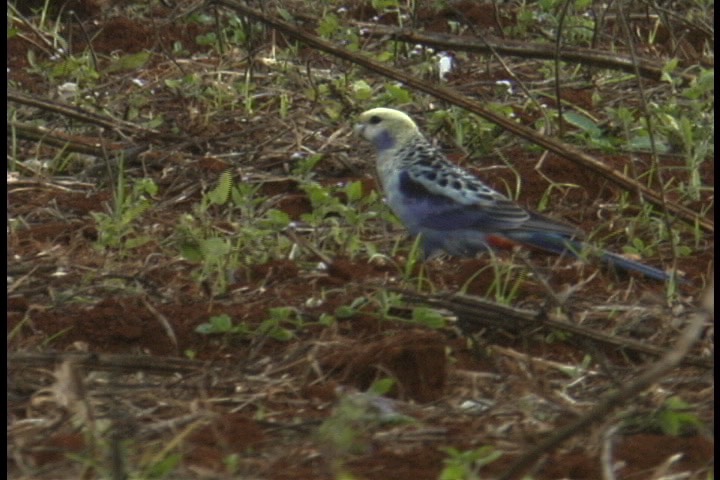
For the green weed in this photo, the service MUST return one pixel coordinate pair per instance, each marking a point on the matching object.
(466, 465)
(675, 417)
(118, 229)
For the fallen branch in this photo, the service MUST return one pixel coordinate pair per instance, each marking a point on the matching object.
(95, 146)
(475, 312)
(585, 56)
(107, 362)
(71, 111)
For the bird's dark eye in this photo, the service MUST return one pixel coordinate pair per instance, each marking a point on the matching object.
(374, 120)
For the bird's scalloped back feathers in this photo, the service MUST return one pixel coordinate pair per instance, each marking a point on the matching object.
(430, 168)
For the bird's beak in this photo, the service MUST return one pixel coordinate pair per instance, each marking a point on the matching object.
(359, 128)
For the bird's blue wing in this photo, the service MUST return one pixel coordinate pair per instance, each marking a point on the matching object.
(442, 205)
(441, 195)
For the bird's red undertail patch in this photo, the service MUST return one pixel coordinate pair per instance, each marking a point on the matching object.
(497, 241)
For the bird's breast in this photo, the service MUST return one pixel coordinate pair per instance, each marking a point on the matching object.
(398, 203)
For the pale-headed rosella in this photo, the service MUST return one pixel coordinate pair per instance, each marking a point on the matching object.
(452, 210)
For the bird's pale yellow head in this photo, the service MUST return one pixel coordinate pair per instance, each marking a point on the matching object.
(386, 128)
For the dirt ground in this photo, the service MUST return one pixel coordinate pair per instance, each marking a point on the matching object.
(108, 372)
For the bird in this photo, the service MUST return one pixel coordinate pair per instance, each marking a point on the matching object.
(453, 211)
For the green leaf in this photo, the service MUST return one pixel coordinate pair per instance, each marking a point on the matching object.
(282, 313)
(163, 467)
(345, 311)
(428, 317)
(205, 329)
(221, 193)
(277, 219)
(173, 83)
(398, 94)
(133, 212)
(213, 248)
(146, 185)
(461, 465)
(382, 386)
(221, 323)
(216, 324)
(155, 122)
(328, 26)
(206, 39)
(384, 56)
(667, 69)
(333, 109)
(307, 164)
(129, 62)
(583, 122)
(137, 241)
(381, 5)
(191, 251)
(272, 329)
(354, 191)
(675, 417)
(642, 143)
(362, 90)
(703, 85)
(73, 67)
(285, 15)
(281, 334)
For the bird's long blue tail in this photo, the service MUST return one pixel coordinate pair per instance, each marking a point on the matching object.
(559, 244)
(626, 264)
